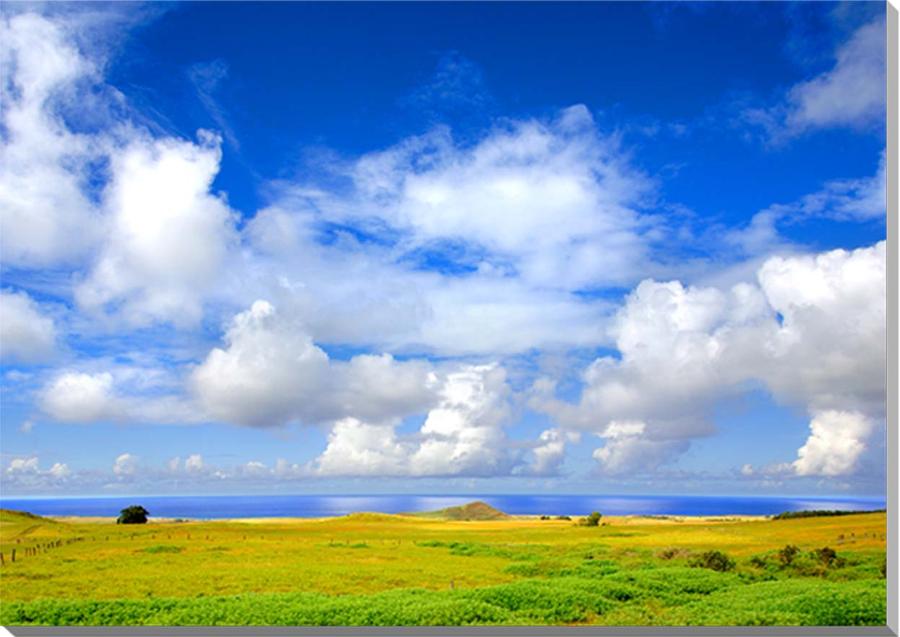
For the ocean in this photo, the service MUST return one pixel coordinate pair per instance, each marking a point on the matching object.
(303, 506)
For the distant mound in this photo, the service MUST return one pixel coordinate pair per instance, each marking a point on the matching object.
(472, 511)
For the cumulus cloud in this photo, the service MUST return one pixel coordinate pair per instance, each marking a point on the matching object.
(812, 330)
(628, 451)
(125, 465)
(23, 465)
(133, 208)
(81, 398)
(120, 393)
(519, 222)
(167, 236)
(550, 451)
(26, 334)
(462, 435)
(271, 372)
(194, 463)
(45, 217)
(552, 201)
(836, 442)
(25, 473)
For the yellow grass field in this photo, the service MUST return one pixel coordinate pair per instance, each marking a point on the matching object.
(392, 569)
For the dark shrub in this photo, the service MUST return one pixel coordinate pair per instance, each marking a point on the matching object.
(825, 555)
(787, 554)
(759, 561)
(563, 517)
(714, 560)
(135, 514)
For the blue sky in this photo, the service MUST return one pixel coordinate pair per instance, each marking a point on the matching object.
(443, 247)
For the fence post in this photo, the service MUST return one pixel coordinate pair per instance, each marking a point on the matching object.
(13, 559)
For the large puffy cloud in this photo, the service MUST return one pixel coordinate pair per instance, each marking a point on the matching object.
(812, 330)
(81, 398)
(271, 372)
(462, 434)
(363, 449)
(45, 217)
(479, 248)
(110, 392)
(85, 186)
(828, 352)
(26, 334)
(835, 445)
(168, 235)
(551, 200)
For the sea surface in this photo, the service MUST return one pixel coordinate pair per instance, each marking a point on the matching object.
(311, 506)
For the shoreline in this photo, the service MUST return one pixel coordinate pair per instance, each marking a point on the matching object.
(635, 519)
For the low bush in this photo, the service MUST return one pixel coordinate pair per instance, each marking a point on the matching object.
(714, 560)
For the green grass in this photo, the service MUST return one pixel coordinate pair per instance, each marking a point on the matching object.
(371, 569)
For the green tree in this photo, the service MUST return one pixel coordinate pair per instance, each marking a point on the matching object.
(593, 519)
(134, 514)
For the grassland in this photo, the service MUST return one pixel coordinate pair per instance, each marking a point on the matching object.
(371, 569)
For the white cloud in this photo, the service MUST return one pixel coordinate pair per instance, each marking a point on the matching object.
(628, 451)
(271, 372)
(81, 398)
(121, 392)
(836, 442)
(850, 94)
(45, 219)
(25, 473)
(194, 463)
(829, 350)
(860, 200)
(26, 335)
(59, 470)
(168, 236)
(125, 465)
(255, 468)
(462, 435)
(550, 451)
(812, 330)
(551, 199)
(23, 465)
(361, 449)
(83, 188)
(532, 212)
